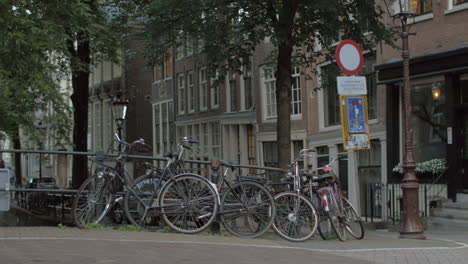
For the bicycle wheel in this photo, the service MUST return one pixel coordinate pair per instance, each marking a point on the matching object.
(296, 219)
(352, 220)
(188, 203)
(324, 228)
(334, 216)
(247, 209)
(93, 200)
(140, 202)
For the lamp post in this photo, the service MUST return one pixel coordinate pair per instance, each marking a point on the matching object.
(411, 226)
(119, 111)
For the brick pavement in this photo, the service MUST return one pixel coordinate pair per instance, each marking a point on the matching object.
(71, 244)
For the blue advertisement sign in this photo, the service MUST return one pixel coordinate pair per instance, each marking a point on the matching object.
(355, 114)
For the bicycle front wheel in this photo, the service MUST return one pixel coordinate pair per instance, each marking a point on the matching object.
(296, 219)
(352, 220)
(189, 203)
(140, 202)
(247, 209)
(93, 200)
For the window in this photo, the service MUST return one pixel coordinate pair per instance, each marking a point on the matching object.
(232, 91)
(270, 154)
(322, 156)
(248, 92)
(97, 126)
(191, 92)
(270, 93)
(214, 85)
(204, 138)
(328, 75)
(457, 2)
(269, 85)
(181, 93)
(216, 140)
(251, 145)
(163, 127)
(425, 6)
(343, 168)
(163, 69)
(371, 76)
(429, 123)
(203, 89)
(296, 92)
(108, 121)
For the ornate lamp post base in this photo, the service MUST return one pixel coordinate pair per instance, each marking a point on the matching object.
(411, 226)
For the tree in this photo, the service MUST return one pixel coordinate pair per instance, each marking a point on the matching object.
(230, 30)
(43, 41)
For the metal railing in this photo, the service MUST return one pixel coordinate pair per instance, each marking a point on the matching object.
(384, 202)
(55, 204)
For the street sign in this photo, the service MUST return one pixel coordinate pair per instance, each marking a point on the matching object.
(355, 122)
(351, 85)
(349, 57)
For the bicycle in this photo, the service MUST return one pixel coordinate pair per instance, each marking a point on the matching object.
(341, 214)
(247, 208)
(171, 195)
(296, 218)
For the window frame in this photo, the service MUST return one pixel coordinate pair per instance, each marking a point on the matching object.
(181, 101)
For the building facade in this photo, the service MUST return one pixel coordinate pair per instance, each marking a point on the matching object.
(439, 85)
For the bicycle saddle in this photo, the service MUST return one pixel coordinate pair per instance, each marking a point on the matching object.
(319, 178)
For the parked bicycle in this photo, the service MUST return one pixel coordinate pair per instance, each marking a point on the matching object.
(186, 202)
(296, 217)
(341, 214)
(247, 208)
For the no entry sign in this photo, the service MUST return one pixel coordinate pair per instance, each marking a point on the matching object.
(349, 57)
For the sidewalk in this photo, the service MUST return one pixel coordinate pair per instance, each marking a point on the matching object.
(65, 245)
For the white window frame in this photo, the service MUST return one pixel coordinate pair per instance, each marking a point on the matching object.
(268, 84)
(191, 91)
(321, 102)
(451, 8)
(214, 92)
(181, 93)
(231, 77)
(296, 75)
(203, 89)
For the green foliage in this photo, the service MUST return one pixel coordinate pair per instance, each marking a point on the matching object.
(132, 228)
(38, 49)
(93, 226)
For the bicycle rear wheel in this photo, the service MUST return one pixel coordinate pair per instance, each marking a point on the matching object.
(335, 218)
(93, 200)
(296, 218)
(189, 203)
(352, 220)
(141, 200)
(247, 209)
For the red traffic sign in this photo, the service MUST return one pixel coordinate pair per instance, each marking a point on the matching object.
(349, 57)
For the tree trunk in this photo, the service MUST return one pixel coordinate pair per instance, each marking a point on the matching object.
(283, 81)
(79, 98)
(17, 145)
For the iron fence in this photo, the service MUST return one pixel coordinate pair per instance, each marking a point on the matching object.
(54, 203)
(384, 202)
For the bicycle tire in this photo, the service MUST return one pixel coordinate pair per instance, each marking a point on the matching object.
(334, 215)
(353, 222)
(296, 218)
(324, 227)
(247, 222)
(92, 201)
(135, 207)
(181, 210)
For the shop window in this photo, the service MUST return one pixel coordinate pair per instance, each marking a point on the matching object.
(429, 122)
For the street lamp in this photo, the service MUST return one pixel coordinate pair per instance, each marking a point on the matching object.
(411, 226)
(119, 111)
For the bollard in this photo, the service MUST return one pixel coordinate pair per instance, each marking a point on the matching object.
(215, 177)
